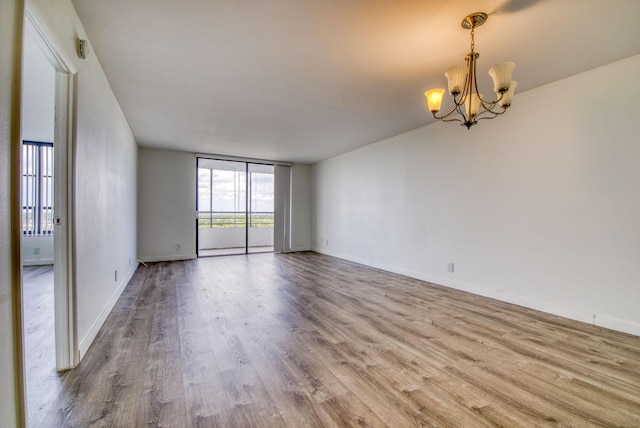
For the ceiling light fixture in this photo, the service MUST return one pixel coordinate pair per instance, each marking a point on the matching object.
(470, 105)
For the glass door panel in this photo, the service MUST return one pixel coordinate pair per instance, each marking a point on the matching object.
(222, 207)
(260, 208)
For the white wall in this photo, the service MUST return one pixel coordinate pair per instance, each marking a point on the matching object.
(37, 250)
(38, 94)
(10, 31)
(38, 102)
(105, 182)
(539, 207)
(166, 205)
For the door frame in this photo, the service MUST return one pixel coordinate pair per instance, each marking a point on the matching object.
(246, 162)
(67, 354)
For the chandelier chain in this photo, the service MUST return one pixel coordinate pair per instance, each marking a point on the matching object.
(473, 40)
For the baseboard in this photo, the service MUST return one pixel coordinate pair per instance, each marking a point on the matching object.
(88, 339)
(295, 249)
(527, 302)
(617, 324)
(167, 258)
(38, 262)
(348, 257)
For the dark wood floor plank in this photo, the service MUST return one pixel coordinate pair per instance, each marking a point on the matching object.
(302, 339)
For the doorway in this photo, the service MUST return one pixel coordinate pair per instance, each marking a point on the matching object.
(235, 207)
(37, 244)
(46, 175)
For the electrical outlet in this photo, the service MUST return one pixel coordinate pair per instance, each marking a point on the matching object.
(129, 260)
(177, 247)
(36, 250)
(450, 267)
(116, 276)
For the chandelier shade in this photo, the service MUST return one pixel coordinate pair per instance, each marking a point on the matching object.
(456, 76)
(434, 98)
(501, 75)
(470, 105)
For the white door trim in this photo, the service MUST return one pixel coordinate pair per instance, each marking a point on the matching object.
(67, 355)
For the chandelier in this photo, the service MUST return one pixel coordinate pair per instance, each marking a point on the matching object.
(470, 104)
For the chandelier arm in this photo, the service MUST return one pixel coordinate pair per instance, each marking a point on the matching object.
(458, 100)
(460, 109)
(493, 114)
(466, 91)
(494, 105)
(491, 104)
(444, 116)
(489, 117)
(498, 113)
(488, 105)
(486, 114)
(444, 119)
(475, 77)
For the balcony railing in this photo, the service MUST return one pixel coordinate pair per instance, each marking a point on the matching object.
(228, 219)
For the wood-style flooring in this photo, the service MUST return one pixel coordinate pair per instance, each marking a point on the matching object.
(43, 382)
(306, 340)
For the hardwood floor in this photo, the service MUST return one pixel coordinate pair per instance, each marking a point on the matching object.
(43, 382)
(303, 339)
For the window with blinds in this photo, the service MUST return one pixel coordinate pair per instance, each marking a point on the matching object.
(37, 188)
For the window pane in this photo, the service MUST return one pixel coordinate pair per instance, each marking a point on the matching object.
(204, 189)
(37, 188)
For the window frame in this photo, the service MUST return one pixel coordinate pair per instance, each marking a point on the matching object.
(41, 179)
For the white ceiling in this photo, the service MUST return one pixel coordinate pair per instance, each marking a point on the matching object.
(304, 80)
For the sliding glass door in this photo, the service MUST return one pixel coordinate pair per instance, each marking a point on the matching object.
(234, 207)
(260, 208)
